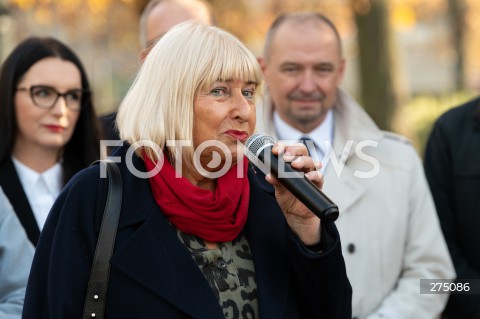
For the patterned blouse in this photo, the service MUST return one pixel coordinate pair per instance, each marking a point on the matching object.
(230, 273)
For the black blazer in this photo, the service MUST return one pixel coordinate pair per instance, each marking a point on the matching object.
(452, 167)
(10, 182)
(153, 274)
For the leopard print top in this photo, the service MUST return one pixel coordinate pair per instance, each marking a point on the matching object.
(230, 273)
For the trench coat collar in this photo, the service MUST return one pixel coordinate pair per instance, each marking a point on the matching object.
(352, 124)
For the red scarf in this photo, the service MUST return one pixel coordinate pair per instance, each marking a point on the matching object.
(217, 216)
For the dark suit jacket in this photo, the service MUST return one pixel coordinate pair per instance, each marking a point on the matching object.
(452, 166)
(153, 275)
(10, 182)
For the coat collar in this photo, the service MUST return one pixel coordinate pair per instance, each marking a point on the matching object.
(153, 257)
(352, 124)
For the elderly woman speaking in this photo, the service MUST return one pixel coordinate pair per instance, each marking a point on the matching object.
(201, 235)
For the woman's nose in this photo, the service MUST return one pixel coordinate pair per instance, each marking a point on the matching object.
(60, 107)
(243, 108)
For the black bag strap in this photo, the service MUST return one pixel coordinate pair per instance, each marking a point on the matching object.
(95, 298)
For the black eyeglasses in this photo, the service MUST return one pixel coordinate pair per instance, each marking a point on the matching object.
(45, 96)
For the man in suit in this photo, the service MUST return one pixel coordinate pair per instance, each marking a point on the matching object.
(388, 224)
(156, 19)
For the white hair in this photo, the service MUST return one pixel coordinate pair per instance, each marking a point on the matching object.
(187, 60)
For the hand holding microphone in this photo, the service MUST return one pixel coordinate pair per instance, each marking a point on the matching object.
(259, 151)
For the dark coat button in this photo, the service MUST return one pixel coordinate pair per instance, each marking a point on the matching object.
(221, 264)
(351, 248)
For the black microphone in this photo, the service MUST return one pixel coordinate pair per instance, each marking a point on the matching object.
(258, 149)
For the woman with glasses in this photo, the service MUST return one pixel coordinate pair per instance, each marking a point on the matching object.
(48, 125)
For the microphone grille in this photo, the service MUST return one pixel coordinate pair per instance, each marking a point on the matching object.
(257, 142)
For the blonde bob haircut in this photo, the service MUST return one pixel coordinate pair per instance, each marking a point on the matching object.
(187, 60)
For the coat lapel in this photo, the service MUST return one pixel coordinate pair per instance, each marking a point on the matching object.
(155, 259)
(265, 231)
(352, 126)
(345, 192)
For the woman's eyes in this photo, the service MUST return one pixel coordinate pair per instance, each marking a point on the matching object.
(248, 93)
(75, 96)
(218, 91)
(43, 92)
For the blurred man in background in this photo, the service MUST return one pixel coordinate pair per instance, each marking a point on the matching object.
(388, 224)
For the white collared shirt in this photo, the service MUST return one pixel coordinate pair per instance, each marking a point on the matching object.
(322, 136)
(41, 189)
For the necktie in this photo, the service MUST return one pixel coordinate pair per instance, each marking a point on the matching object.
(313, 151)
(307, 141)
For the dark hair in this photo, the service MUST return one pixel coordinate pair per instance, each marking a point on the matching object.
(83, 148)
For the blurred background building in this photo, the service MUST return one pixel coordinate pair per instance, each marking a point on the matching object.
(407, 60)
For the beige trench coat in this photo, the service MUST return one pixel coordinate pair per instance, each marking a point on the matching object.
(388, 225)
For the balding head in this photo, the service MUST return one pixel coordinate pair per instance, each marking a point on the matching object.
(160, 15)
(298, 20)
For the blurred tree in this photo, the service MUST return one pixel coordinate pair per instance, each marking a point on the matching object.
(139, 6)
(4, 16)
(456, 13)
(102, 32)
(232, 15)
(276, 7)
(105, 34)
(378, 94)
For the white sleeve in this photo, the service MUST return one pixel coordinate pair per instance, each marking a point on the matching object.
(16, 255)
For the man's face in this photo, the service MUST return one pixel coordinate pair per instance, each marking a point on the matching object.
(303, 72)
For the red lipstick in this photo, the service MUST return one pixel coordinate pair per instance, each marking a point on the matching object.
(239, 135)
(55, 128)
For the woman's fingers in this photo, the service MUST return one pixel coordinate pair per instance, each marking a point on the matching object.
(297, 156)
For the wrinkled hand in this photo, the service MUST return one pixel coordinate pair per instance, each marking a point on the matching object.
(300, 219)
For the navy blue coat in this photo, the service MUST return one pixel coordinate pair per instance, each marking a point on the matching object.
(452, 167)
(153, 274)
